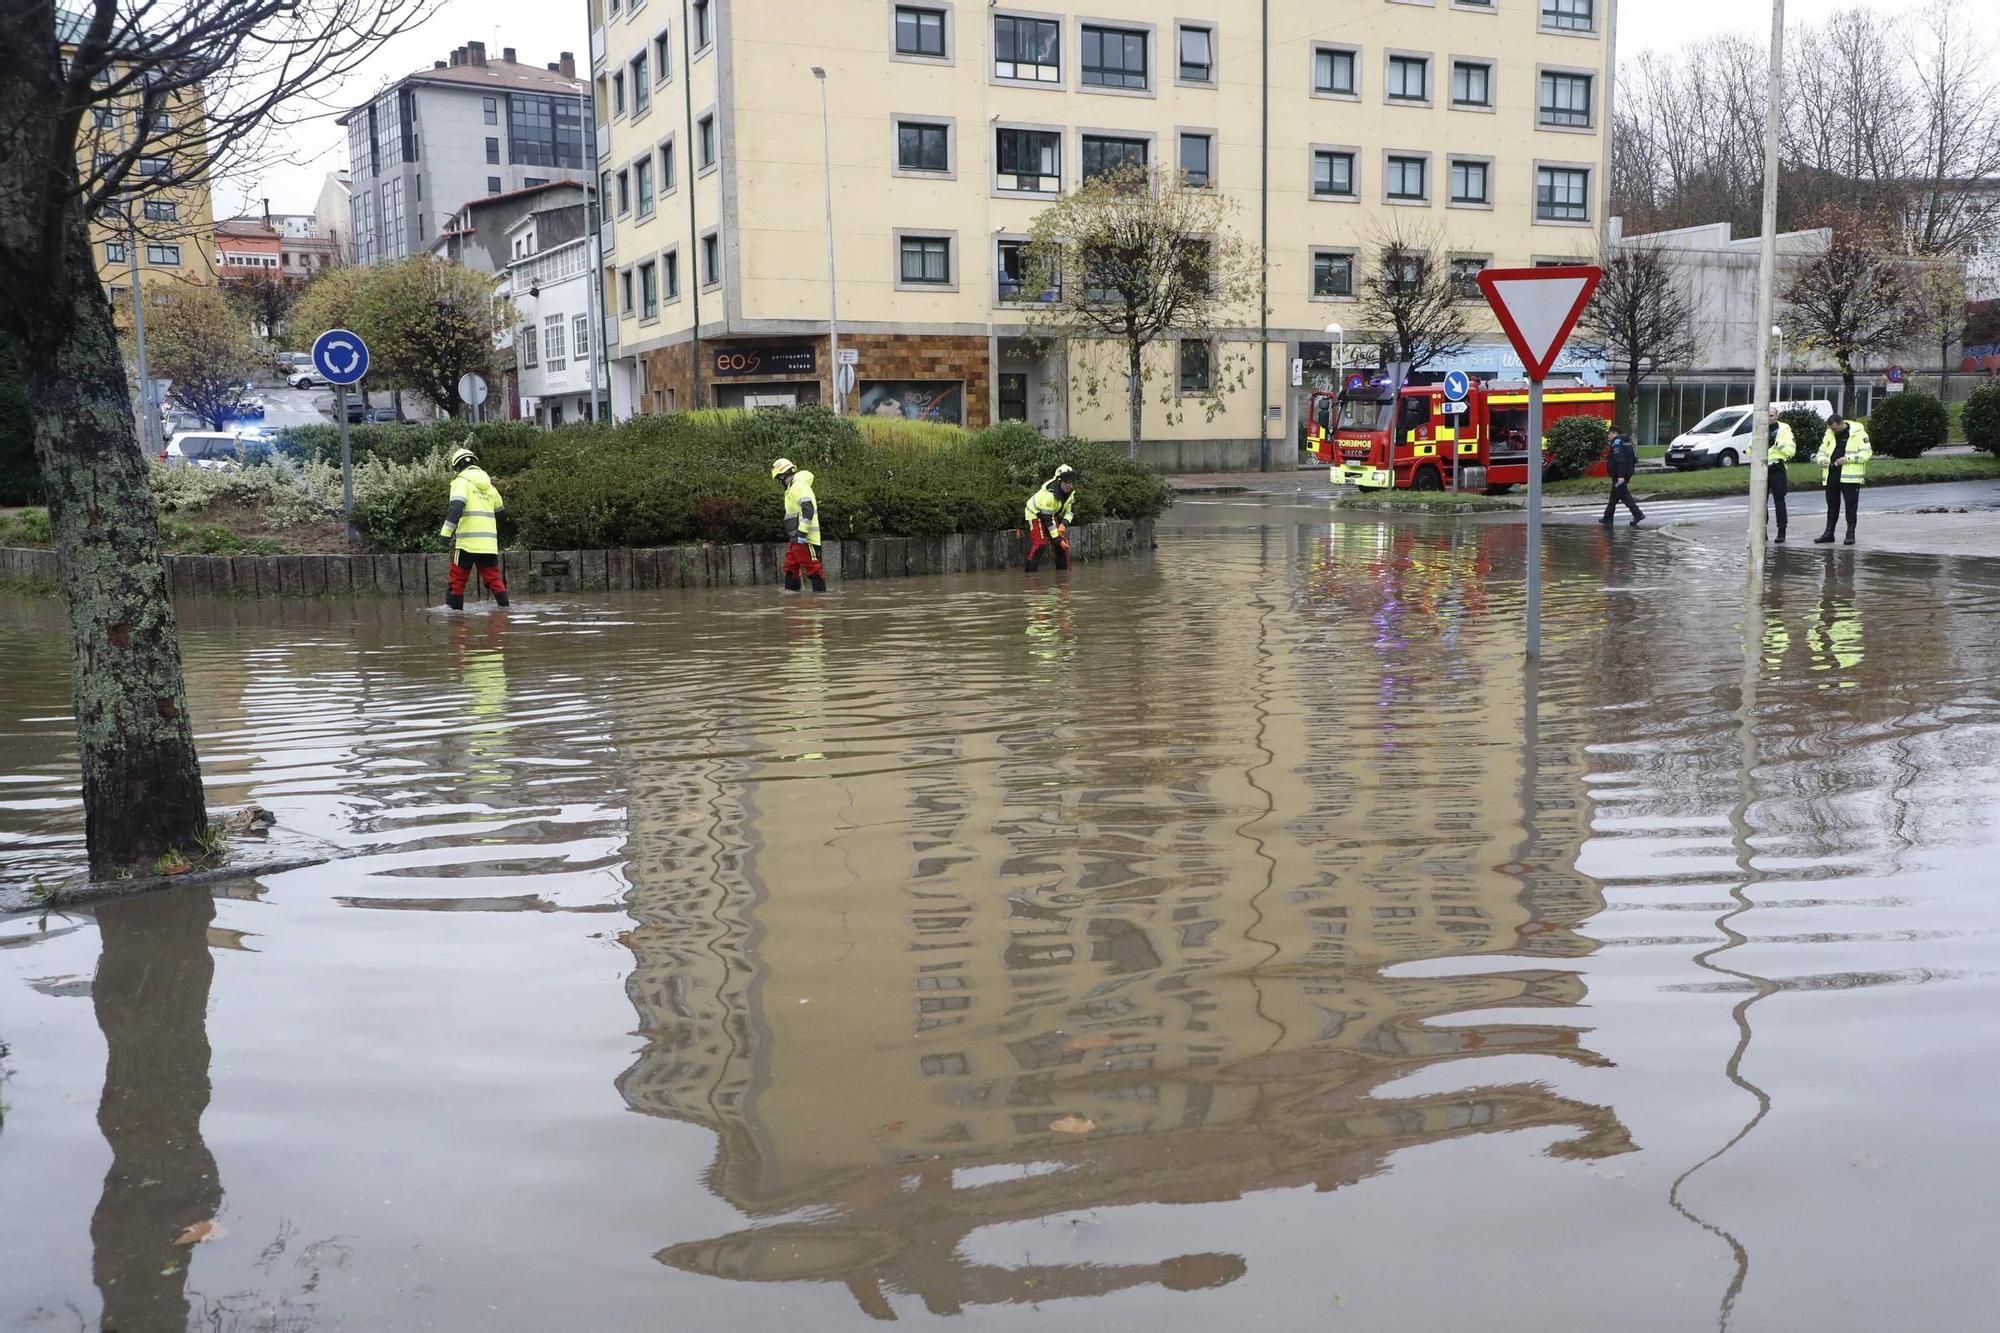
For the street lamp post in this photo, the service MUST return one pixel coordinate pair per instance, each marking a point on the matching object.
(832, 287)
(1767, 271)
(1778, 332)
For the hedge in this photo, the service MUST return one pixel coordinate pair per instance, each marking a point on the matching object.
(1980, 418)
(1574, 444)
(1903, 425)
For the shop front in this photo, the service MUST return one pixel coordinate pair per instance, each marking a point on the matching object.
(763, 374)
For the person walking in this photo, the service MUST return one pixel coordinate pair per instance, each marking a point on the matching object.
(1049, 513)
(1843, 455)
(472, 526)
(1621, 462)
(801, 527)
(1777, 482)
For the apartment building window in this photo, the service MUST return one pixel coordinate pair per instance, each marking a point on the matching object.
(1102, 154)
(642, 180)
(152, 166)
(530, 182)
(555, 352)
(669, 168)
(114, 252)
(1565, 100)
(923, 146)
(625, 292)
(1114, 58)
(545, 131)
(649, 290)
(919, 32)
(1013, 274)
(704, 25)
(529, 357)
(1570, 15)
(1465, 278)
(104, 118)
(492, 185)
(1409, 79)
(160, 122)
(1028, 160)
(1471, 181)
(1197, 366)
(704, 131)
(624, 192)
(1336, 72)
(491, 107)
(162, 210)
(618, 93)
(670, 274)
(1027, 49)
(642, 86)
(1197, 54)
(663, 58)
(1197, 160)
(1562, 194)
(1333, 174)
(1406, 177)
(1471, 83)
(492, 150)
(1333, 273)
(711, 260)
(926, 261)
(579, 329)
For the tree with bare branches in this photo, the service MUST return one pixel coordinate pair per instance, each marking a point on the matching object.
(1641, 320)
(189, 85)
(1408, 301)
(1132, 258)
(1852, 301)
(1938, 311)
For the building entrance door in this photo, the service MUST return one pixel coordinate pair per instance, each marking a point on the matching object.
(1013, 397)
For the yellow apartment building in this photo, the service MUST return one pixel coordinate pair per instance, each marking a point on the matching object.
(1476, 124)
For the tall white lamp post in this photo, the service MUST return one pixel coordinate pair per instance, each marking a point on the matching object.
(832, 288)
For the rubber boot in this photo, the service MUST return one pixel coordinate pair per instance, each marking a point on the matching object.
(819, 582)
(1781, 537)
(1823, 538)
(1850, 538)
(1638, 518)
(792, 583)
(500, 598)
(456, 601)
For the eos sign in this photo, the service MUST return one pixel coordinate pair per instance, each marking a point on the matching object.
(798, 359)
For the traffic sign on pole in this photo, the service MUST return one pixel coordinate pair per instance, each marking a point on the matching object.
(472, 389)
(1456, 386)
(1894, 374)
(340, 356)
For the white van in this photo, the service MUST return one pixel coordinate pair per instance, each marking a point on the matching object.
(208, 449)
(1722, 438)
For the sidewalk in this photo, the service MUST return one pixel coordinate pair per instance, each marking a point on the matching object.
(1280, 481)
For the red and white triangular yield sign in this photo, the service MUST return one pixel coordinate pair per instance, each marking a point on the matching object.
(1538, 307)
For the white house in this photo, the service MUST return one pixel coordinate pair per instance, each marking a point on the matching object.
(547, 277)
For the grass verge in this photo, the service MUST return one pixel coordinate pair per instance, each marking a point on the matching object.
(1426, 502)
(1804, 476)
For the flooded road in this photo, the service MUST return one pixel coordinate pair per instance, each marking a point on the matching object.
(1214, 941)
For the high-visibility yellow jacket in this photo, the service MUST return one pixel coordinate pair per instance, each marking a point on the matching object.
(1784, 445)
(1853, 467)
(472, 524)
(802, 509)
(1045, 503)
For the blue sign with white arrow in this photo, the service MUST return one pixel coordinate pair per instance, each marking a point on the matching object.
(340, 356)
(1456, 386)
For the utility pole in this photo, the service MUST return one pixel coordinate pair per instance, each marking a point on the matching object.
(1767, 280)
(832, 287)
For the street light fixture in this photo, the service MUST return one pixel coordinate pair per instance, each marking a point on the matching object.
(832, 288)
(1778, 332)
(1339, 336)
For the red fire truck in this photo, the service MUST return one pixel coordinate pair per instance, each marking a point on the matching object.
(1431, 444)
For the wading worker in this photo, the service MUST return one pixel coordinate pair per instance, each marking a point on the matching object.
(1621, 463)
(1844, 454)
(1784, 445)
(472, 526)
(801, 527)
(1049, 512)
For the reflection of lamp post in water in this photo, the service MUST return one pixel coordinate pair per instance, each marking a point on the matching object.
(832, 290)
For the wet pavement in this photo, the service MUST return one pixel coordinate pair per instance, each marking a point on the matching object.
(1220, 940)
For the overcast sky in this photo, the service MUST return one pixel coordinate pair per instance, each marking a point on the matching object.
(542, 29)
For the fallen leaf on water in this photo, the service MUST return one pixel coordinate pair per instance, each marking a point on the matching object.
(200, 1233)
(894, 1125)
(1073, 1124)
(1088, 1043)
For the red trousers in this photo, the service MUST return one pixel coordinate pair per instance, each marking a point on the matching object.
(1038, 541)
(462, 565)
(802, 558)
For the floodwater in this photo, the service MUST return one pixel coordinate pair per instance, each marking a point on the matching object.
(1216, 941)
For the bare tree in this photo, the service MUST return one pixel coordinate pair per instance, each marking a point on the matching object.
(1939, 310)
(184, 85)
(1641, 320)
(1955, 152)
(1133, 258)
(1408, 300)
(1852, 301)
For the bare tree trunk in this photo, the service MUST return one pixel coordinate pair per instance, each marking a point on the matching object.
(1632, 381)
(1135, 394)
(141, 781)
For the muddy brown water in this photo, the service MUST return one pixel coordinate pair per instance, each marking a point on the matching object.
(716, 961)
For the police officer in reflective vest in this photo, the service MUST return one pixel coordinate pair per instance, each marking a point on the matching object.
(1777, 483)
(1844, 455)
(1621, 464)
(1049, 513)
(472, 526)
(801, 527)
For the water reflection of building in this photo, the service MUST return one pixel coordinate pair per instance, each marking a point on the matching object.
(882, 951)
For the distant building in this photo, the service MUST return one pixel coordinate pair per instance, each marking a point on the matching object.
(464, 129)
(478, 235)
(246, 248)
(333, 214)
(548, 280)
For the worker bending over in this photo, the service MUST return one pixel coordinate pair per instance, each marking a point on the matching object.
(801, 526)
(1049, 513)
(472, 526)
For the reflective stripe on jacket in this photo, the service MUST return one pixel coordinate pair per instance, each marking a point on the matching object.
(473, 524)
(1854, 466)
(1046, 504)
(1784, 445)
(802, 508)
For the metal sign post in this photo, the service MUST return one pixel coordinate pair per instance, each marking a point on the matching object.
(346, 453)
(1534, 518)
(342, 359)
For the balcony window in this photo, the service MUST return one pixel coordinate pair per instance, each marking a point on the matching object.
(922, 146)
(1562, 194)
(1028, 160)
(1027, 49)
(926, 260)
(1196, 160)
(1471, 83)
(1406, 178)
(1333, 274)
(1102, 155)
(1197, 52)
(1333, 174)
(919, 32)
(1564, 100)
(1114, 58)
(1409, 79)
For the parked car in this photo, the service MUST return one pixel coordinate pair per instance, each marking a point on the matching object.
(290, 363)
(387, 416)
(1722, 438)
(306, 378)
(214, 450)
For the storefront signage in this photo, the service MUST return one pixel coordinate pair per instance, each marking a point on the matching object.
(794, 359)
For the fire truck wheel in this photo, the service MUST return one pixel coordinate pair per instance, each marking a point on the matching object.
(1427, 479)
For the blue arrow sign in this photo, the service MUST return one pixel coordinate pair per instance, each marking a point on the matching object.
(1456, 386)
(340, 356)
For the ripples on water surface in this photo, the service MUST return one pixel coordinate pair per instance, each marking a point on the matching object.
(716, 962)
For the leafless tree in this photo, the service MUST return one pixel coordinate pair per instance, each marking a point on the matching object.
(1955, 152)
(1641, 319)
(1852, 301)
(1407, 300)
(1938, 307)
(184, 86)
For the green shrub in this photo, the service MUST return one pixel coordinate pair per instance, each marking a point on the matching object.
(1808, 429)
(218, 540)
(1980, 418)
(1574, 444)
(34, 525)
(898, 431)
(1905, 424)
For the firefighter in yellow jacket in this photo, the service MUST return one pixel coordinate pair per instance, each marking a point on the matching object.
(801, 526)
(1844, 455)
(1049, 513)
(472, 526)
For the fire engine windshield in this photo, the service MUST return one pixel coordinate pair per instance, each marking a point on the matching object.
(1364, 414)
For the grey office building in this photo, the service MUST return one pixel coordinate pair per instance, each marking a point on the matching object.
(462, 129)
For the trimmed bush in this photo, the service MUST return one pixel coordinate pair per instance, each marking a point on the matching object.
(1903, 425)
(1808, 429)
(1574, 444)
(1980, 418)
